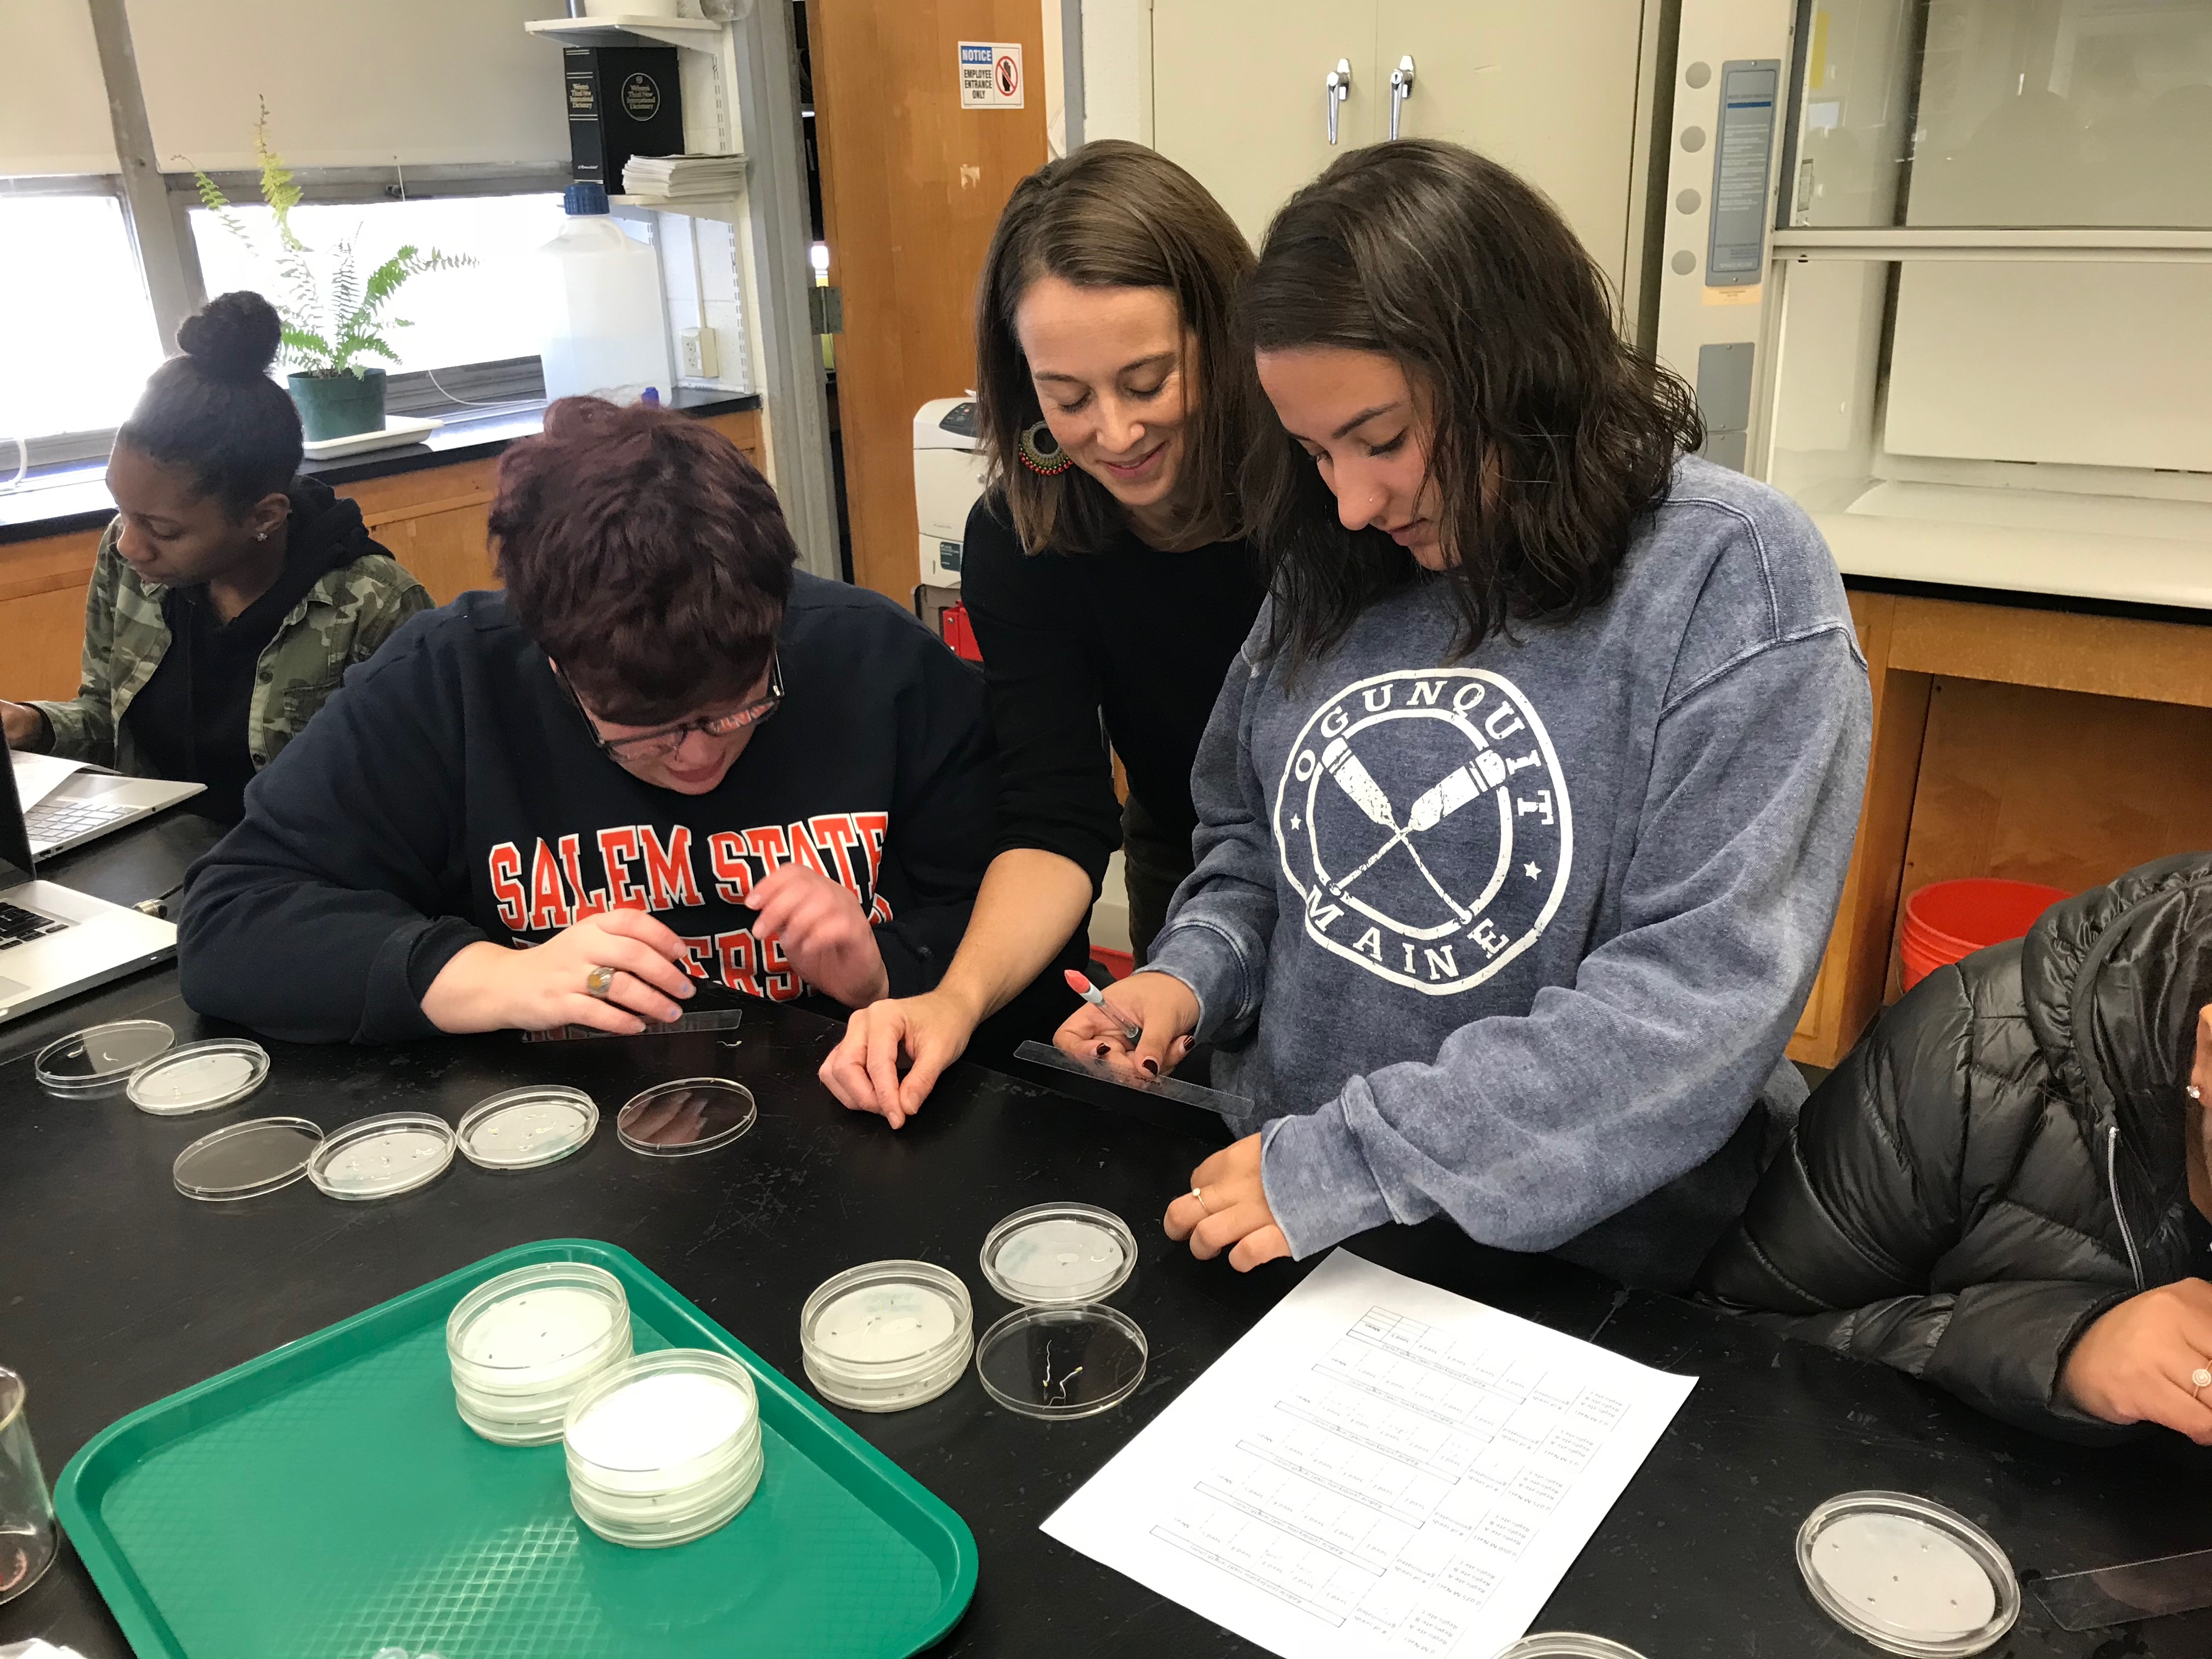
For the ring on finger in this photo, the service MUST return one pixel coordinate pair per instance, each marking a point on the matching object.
(1198, 1196)
(598, 983)
(2200, 1379)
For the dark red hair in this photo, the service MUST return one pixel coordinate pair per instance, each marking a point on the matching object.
(647, 556)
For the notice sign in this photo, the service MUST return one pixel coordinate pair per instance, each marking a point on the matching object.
(990, 74)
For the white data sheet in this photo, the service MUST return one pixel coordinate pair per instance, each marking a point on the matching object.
(1378, 1468)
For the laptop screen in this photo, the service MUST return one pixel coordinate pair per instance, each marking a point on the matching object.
(16, 865)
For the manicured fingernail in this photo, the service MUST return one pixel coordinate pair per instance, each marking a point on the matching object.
(1104, 1049)
(1151, 1065)
(690, 990)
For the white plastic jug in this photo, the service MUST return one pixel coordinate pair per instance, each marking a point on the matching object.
(604, 334)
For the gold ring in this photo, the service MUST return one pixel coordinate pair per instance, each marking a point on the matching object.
(597, 982)
(2200, 1379)
(1201, 1197)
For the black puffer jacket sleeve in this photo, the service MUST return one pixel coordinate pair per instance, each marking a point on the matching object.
(1853, 1237)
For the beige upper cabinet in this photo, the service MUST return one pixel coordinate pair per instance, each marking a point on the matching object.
(1550, 88)
(1239, 94)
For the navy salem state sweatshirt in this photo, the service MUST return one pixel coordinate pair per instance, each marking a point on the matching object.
(450, 792)
(1519, 938)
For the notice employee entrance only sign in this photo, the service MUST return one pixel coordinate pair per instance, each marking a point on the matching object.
(991, 75)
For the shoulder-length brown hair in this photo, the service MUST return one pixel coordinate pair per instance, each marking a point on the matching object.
(1116, 215)
(1551, 436)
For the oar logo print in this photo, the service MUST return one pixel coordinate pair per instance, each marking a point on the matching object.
(1474, 888)
(1458, 786)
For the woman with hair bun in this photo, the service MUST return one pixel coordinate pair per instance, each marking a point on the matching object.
(229, 594)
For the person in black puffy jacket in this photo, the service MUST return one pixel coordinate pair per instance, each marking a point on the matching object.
(2002, 1190)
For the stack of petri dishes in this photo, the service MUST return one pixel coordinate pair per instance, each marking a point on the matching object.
(887, 1335)
(524, 1345)
(664, 1448)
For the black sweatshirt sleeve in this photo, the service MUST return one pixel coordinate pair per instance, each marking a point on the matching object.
(1057, 781)
(327, 912)
(942, 815)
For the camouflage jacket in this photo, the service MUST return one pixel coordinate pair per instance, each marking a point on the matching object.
(353, 610)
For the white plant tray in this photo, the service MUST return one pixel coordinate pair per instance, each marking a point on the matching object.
(400, 432)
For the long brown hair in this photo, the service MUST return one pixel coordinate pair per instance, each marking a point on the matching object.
(1116, 215)
(1470, 279)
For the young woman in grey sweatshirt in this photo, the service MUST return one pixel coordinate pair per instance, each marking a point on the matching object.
(1525, 812)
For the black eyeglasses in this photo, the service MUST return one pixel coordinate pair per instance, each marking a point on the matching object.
(653, 745)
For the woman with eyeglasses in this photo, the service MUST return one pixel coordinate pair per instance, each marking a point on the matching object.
(661, 755)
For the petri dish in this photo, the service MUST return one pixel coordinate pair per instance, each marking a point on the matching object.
(1061, 1362)
(663, 1426)
(200, 1077)
(525, 1128)
(245, 1160)
(1058, 1254)
(537, 1327)
(100, 1057)
(523, 1345)
(382, 1157)
(1567, 1644)
(886, 1335)
(1906, 1575)
(690, 1115)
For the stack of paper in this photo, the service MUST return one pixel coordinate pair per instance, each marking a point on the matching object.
(681, 178)
(1379, 1468)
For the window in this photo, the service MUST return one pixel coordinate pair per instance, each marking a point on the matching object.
(80, 367)
(466, 316)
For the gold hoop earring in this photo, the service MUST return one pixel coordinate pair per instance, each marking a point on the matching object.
(1045, 462)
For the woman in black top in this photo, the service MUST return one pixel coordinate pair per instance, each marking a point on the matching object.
(229, 594)
(1104, 572)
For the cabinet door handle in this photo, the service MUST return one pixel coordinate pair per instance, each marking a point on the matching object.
(1337, 84)
(1401, 88)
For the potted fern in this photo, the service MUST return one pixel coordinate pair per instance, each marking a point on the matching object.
(334, 317)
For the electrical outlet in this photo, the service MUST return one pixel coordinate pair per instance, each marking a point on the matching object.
(697, 345)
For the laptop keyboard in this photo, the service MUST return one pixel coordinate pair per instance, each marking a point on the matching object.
(50, 823)
(20, 927)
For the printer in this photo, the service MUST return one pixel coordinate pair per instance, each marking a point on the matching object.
(948, 478)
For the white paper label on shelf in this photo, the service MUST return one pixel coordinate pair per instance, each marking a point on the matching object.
(991, 75)
(1378, 1467)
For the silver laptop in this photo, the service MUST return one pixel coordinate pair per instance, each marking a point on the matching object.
(96, 801)
(55, 941)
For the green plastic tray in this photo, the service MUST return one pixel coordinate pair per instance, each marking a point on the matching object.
(325, 1500)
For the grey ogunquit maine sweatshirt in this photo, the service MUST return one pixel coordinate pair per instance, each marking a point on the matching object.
(1519, 937)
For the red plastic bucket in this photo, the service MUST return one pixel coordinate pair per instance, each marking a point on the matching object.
(1948, 920)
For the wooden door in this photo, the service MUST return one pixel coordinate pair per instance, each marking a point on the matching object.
(912, 186)
(1238, 95)
(1548, 89)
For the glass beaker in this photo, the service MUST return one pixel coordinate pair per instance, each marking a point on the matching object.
(26, 1508)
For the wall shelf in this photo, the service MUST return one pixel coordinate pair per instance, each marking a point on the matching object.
(701, 33)
(730, 209)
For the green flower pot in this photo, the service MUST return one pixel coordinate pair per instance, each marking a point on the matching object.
(339, 405)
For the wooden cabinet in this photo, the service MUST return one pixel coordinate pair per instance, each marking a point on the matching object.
(434, 521)
(2038, 745)
(1554, 91)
